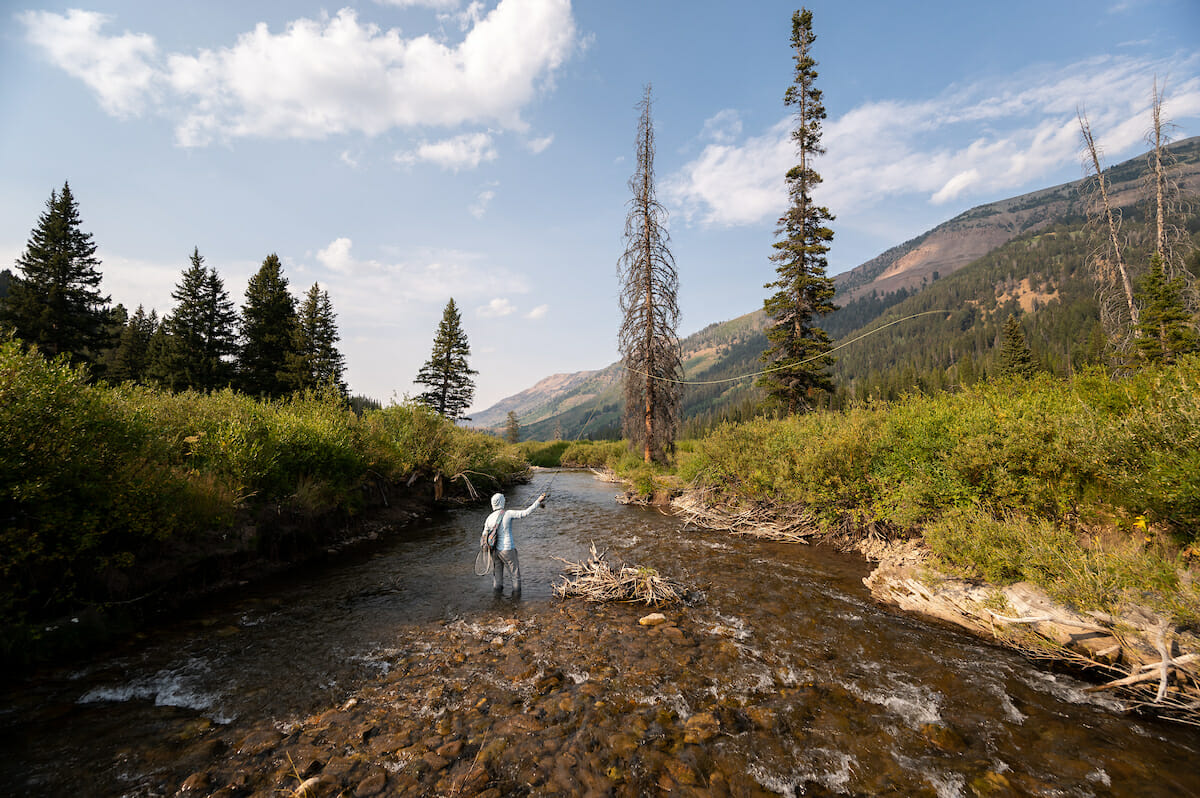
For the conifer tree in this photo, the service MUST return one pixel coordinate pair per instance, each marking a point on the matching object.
(797, 353)
(648, 340)
(1015, 359)
(268, 332)
(55, 303)
(130, 360)
(1164, 326)
(512, 428)
(202, 330)
(316, 361)
(446, 373)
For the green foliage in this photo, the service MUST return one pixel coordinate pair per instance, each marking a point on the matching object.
(1083, 572)
(315, 362)
(1055, 449)
(56, 303)
(1165, 328)
(543, 454)
(593, 454)
(96, 480)
(201, 331)
(446, 373)
(797, 356)
(1015, 359)
(268, 332)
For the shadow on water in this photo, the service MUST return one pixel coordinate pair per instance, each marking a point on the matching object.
(783, 678)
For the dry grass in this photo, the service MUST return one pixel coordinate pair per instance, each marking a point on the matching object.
(595, 580)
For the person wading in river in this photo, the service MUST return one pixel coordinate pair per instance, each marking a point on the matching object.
(497, 534)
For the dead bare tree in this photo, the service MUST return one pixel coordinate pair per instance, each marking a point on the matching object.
(1118, 311)
(1168, 202)
(650, 311)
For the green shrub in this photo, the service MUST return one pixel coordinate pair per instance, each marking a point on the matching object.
(593, 454)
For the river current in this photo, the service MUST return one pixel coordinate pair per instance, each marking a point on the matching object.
(779, 676)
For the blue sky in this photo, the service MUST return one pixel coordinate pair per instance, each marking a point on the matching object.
(402, 152)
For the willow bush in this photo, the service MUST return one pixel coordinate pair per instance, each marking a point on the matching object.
(94, 479)
(1009, 478)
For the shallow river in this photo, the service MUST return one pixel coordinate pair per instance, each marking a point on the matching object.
(393, 669)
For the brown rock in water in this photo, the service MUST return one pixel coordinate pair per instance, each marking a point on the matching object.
(701, 728)
(943, 738)
(195, 782)
(653, 619)
(451, 750)
(258, 742)
(371, 785)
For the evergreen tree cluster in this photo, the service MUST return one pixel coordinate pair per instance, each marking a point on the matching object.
(271, 348)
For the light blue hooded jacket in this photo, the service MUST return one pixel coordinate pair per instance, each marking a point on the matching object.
(501, 520)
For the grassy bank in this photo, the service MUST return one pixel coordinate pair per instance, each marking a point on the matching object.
(106, 492)
(1089, 488)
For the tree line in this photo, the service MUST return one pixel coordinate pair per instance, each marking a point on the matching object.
(273, 346)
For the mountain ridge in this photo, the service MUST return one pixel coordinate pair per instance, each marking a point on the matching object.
(865, 293)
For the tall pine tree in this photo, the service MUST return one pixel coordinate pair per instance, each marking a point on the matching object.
(203, 330)
(316, 361)
(55, 303)
(446, 373)
(650, 311)
(130, 360)
(268, 332)
(1015, 359)
(1165, 328)
(797, 353)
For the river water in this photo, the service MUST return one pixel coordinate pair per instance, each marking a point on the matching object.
(393, 669)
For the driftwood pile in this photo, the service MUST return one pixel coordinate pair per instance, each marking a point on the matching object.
(766, 520)
(596, 580)
(1144, 661)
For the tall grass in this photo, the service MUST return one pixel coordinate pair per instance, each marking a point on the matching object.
(95, 479)
(997, 475)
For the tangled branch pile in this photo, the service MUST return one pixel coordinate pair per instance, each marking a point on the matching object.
(766, 520)
(595, 580)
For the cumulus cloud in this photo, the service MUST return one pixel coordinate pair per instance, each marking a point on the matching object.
(121, 70)
(496, 308)
(538, 313)
(1024, 130)
(321, 77)
(466, 151)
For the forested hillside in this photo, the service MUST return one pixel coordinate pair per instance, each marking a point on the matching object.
(1026, 256)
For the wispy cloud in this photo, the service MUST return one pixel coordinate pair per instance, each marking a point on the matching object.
(538, 146)
(538, 313)
(466, 151)
(479, 207)
(320, 77)
(1020, 132)
(421, 277)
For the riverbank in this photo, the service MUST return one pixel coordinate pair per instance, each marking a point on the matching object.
(115, 499)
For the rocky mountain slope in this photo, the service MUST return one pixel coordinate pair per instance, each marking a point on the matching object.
(587, 403)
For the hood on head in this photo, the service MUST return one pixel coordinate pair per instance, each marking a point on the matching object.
(498, 501)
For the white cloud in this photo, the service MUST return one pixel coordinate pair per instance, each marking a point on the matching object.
(321, 77)
(538, 146)
(496, 308)
(1023, 131)
(437, 5)
(119, 69)
(422, 277)
(538, 313)
(723, 127)
(460, 152)
(480, 206)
